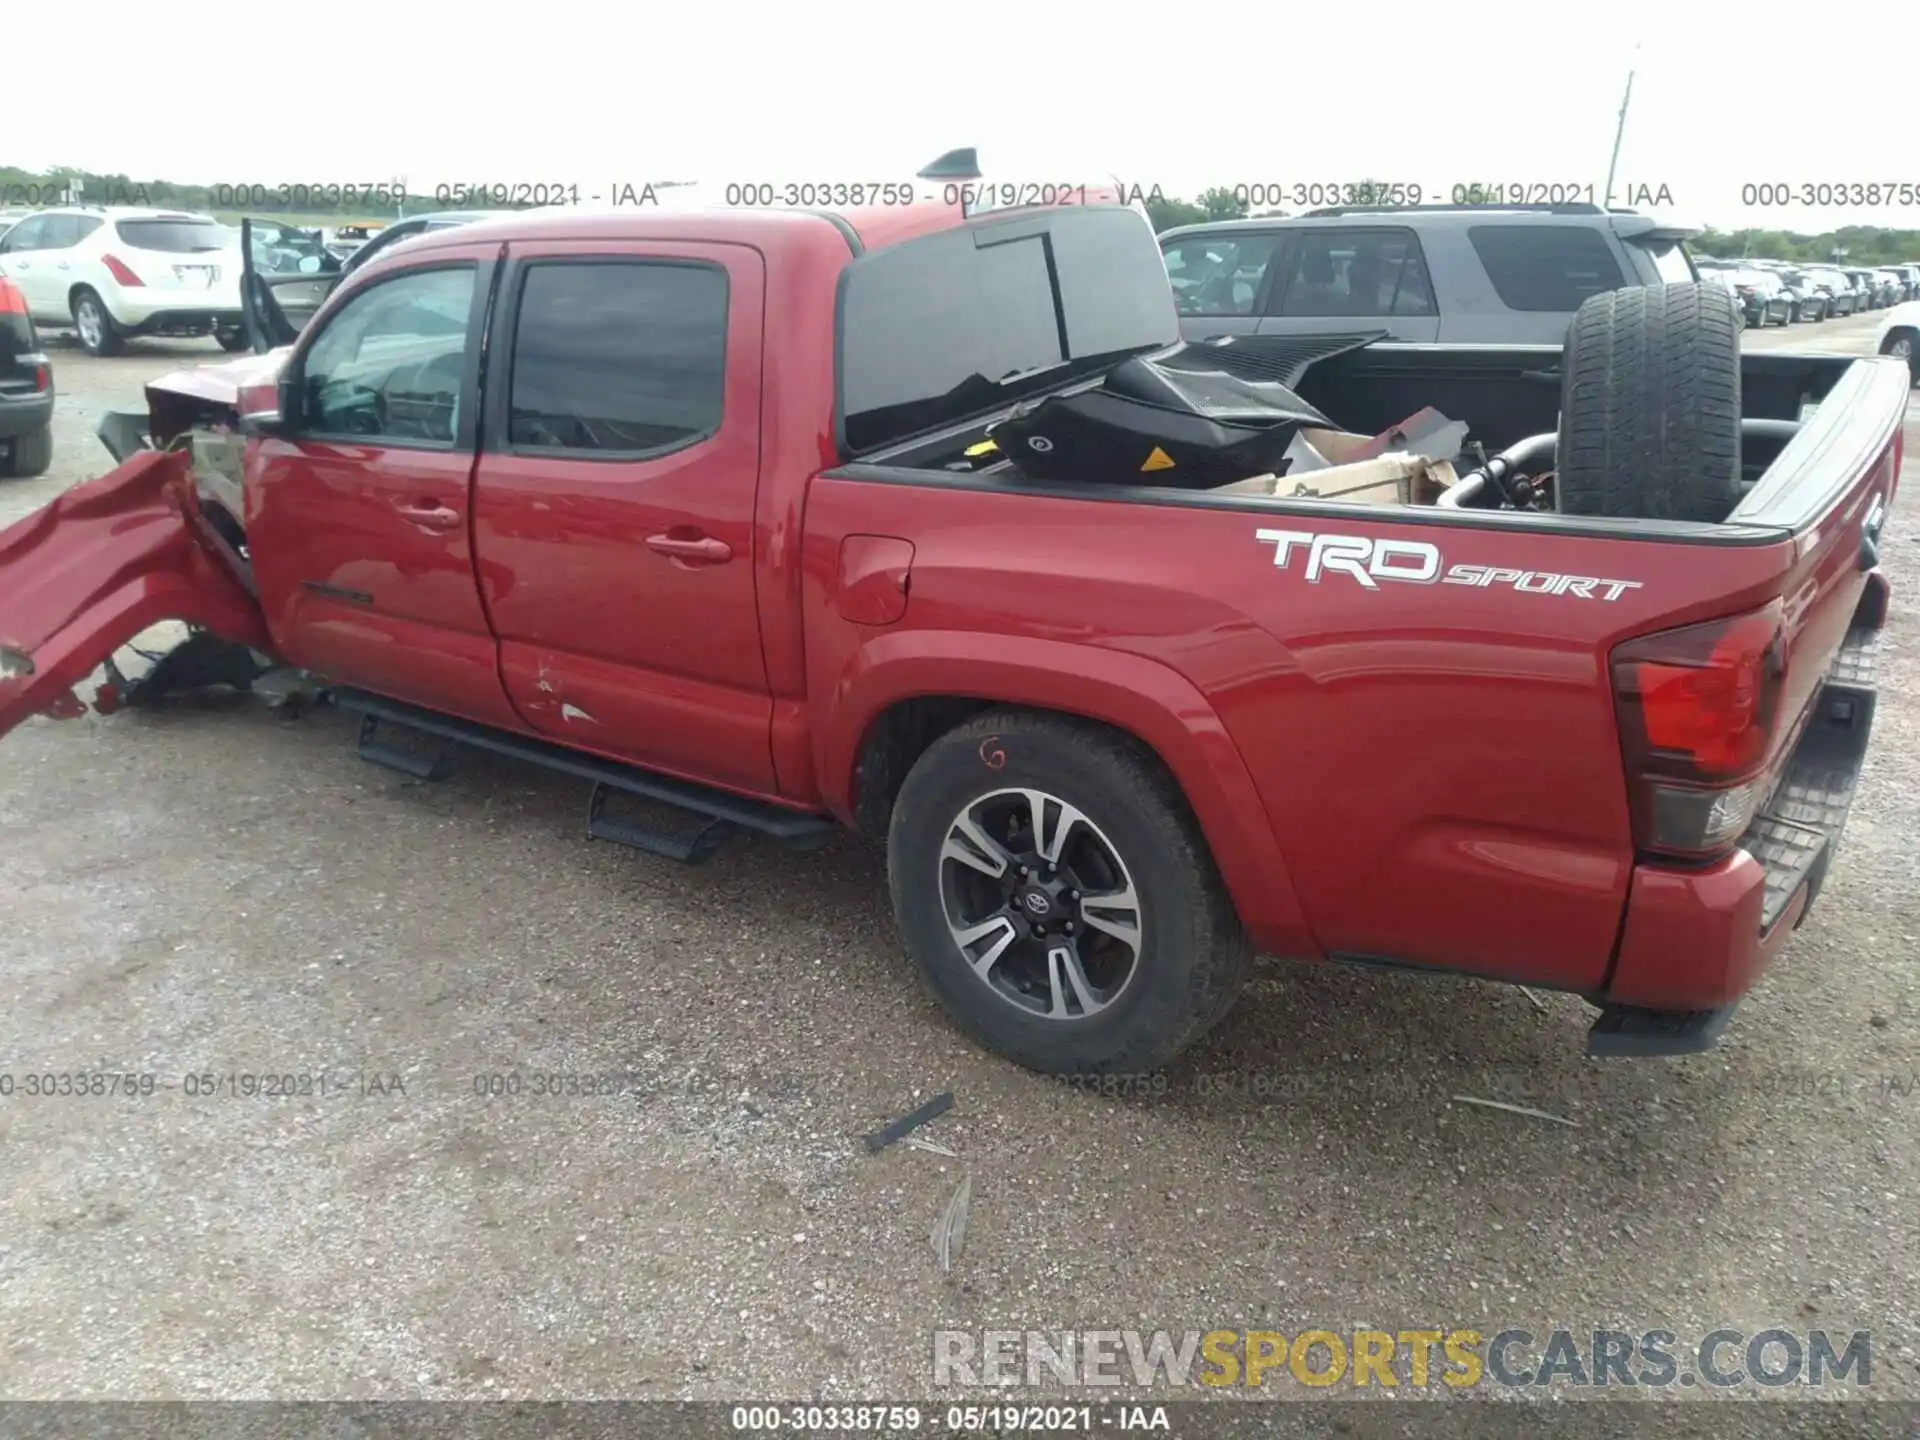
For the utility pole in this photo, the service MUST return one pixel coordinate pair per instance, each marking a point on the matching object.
(1620, 128)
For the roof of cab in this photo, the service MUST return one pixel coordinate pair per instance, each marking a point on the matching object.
(865, 228)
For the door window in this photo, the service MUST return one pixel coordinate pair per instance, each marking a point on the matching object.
(29, 234)
(1358, 273)
(1218, 274)
(618, 358)
(1546, 267)
(391, 363)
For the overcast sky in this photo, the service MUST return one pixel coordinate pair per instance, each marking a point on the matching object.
(1178, 95)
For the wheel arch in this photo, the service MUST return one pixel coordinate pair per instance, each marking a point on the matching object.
(912, 688)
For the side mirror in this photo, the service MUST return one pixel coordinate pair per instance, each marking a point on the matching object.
(310, 265)
(268, 409)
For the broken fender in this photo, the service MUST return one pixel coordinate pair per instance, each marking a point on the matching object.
(109, 558)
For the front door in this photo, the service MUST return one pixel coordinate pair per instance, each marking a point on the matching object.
(1348, 281)
(27, 259)
(1220, 280)
(614, 505)
(358, 516)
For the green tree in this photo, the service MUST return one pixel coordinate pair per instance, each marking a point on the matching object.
(1166, 212)
(1220, 203)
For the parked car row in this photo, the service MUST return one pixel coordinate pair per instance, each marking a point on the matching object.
(1780, 292)
(112, 272)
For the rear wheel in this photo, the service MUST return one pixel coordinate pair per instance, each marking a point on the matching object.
(1058, 897)
(30, 454)
(1650, 405)
(98, 334)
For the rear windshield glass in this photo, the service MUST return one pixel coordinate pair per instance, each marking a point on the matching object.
(954, 325)
(175, 237)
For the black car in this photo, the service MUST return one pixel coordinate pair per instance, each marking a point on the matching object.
(26, 391)
(1871, 288)
(1808, 301)
(1763, 299)
(1843, 296)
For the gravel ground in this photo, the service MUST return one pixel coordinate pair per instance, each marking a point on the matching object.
(215, 890)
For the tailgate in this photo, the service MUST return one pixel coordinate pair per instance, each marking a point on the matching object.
(1833, 486)
(109, 558)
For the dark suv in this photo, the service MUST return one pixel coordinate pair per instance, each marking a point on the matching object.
(26, 390)
(1456, 274)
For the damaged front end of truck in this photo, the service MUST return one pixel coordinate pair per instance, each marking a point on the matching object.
(159, 538)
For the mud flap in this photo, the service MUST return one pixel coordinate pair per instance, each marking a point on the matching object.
(84, 575)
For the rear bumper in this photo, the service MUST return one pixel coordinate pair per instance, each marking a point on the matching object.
(1695, 940)
(181, 320)
(24, 414)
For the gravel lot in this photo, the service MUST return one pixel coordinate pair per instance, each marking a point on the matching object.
(218, 890)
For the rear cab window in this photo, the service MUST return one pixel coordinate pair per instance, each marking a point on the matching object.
(1372, 271)
(617, 359)
(1546, 267)
(172, 236)
(955, 325)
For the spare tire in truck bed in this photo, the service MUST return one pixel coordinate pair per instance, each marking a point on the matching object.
(1650, 405)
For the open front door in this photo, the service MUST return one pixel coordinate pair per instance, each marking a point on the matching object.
(286, 274)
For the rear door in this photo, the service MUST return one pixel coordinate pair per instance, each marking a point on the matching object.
(614, 504)
(1335, 280)
(358, 515)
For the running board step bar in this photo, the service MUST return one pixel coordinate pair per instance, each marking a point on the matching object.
(725, 814)
(1629, 1031)
(420, 763)
(695, 849)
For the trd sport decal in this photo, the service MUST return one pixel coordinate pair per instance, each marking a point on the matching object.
(1414, 562)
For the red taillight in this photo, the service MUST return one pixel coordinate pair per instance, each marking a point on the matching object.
(42, 376)
(12, 302)
(117, 268)
(1697, 709)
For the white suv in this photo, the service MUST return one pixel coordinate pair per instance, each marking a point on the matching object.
(116, 271)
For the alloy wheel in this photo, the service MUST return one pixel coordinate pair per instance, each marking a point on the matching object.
(1040, 904)
(90, 323)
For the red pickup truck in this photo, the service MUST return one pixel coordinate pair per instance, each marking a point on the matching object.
(705, 509)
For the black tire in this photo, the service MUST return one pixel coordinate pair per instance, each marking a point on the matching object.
(232, 341)
(30, 454)
(106, 337)
(1911, 338)
(1193, 955)
(1650, 405)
